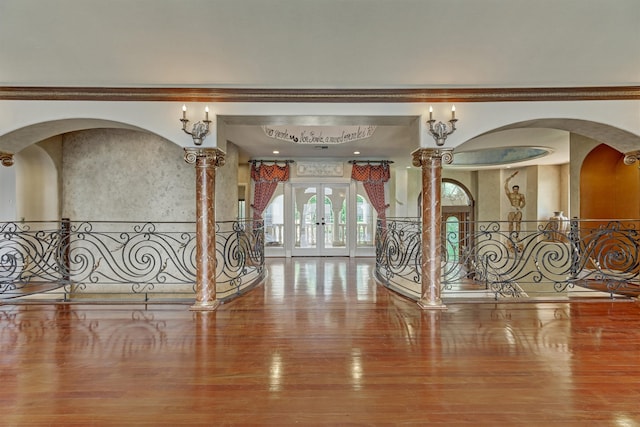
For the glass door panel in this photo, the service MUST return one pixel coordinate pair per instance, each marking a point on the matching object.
(366, 218)
(320, 219)
(305, 215)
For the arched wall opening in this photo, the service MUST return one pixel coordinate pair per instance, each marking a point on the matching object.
(55, 176)
(100, 170)
(553, 185)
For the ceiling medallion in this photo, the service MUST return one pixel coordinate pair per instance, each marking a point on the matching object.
(319, 134)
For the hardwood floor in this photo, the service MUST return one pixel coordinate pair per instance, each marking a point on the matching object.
(321, 344)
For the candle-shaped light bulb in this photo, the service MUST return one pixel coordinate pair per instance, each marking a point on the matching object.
(184, 111)
(206, 113)
(453, 112)
(430, 112)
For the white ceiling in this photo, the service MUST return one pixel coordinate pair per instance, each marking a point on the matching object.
(323, 44)
(320, 44)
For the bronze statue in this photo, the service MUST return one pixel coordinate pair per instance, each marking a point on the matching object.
(517, 202)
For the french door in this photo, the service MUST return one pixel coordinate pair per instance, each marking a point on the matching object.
(321, 218)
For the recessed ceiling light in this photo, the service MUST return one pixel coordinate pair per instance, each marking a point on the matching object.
(276, 152)
(356, 152)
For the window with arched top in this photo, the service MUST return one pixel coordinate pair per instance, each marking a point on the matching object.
(454, 196)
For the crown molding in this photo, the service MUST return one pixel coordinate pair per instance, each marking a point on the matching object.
(64, 93)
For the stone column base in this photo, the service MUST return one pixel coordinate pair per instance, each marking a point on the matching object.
(205, 306)
(431, 305)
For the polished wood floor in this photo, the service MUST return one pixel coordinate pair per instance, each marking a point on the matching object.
(321, 344)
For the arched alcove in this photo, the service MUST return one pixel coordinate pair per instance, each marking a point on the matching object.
(608, 187)
(37, 190)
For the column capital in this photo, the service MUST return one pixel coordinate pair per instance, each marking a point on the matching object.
(211, 156)
(631, 157)
(6, 158)
(423, 156)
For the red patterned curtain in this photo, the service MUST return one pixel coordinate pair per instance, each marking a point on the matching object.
(373, 178)
(266, 178)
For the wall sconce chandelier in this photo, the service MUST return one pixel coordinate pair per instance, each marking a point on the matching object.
(200, 129)
(440, 131)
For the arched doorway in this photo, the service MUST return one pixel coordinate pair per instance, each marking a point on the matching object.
(457, 218)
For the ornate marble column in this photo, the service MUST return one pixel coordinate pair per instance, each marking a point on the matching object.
(6, 158)
(430, 160)
(206, 161)
(631, 157)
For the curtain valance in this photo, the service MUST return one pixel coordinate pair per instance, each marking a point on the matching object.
(261, 172)
(373, 178)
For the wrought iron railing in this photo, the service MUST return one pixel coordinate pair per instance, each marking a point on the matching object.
(398, 249)
(123, 260)
(485, 259)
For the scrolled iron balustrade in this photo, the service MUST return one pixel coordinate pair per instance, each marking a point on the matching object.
(398, 253)
(242, 249)
(599, 255)
(89, 259)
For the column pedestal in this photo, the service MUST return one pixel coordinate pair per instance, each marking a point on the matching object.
(206, 161)
(430, 160)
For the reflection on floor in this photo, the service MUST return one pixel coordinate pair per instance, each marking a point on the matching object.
(321, 343)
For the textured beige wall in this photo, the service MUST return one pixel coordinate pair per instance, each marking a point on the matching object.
(550, 191)
(490, 194)
(244, 179)
(530, 175)
(565, 189)
(414, 188)
(579, 147)
(53, 147)
(466, 178)
(122, 175)
(8, 191)
(227, 186)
